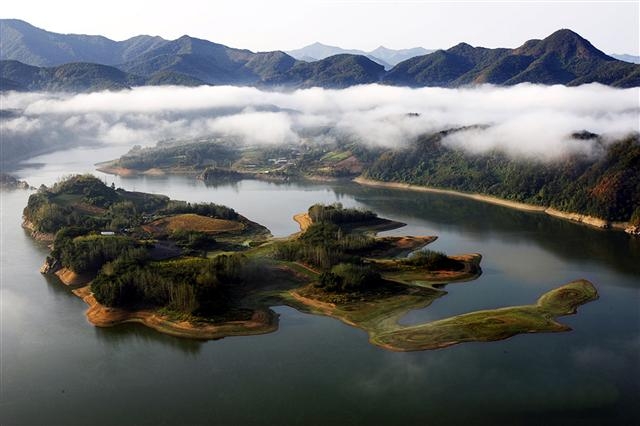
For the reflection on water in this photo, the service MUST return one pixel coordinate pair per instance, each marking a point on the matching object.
(482, 221)
(316, 370)
(138, 334)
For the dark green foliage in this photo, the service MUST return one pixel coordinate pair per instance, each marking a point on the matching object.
(123, 282)
(605, 186)
(336, 214)
(79, 207)
(349, 277)
(67, 234)
(324, 243)
(142, 202)
(433, 261)
(92, 190)
(219, 174)
(192, 285)
(192, 240)
(85, 201)
(123, 214)
(45, 216)
(203, 209)
(87, 254)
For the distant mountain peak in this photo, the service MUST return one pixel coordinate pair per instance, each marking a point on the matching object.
(462, 45)
(563, 57)
(319, 45)
(565, 32)
(565, 43)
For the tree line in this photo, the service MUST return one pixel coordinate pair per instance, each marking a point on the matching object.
(605, 186)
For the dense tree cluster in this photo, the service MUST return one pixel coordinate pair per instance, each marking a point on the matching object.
(338, 215)
(85, 201)
(192, 240)
(79, 208)
(187, 285)
(336, 249)
(349, 277)
(203, 209)
(433, 260)
(605, 186)
(87, 253)
(92, 190)
(323, 245)
(48, 216)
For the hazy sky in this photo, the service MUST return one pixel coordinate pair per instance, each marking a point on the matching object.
(612, 26)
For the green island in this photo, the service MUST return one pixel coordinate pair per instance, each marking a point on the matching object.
(204, 271)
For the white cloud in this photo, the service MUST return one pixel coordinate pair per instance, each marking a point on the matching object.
(527, 119)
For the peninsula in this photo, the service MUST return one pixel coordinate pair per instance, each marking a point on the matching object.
(601, 191)
(204, 271)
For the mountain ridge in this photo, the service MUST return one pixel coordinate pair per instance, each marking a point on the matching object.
(26, 43)
(563, 57)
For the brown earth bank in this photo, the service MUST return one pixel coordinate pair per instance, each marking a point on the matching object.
(262, 321)
(119, 171)
(37, 235)
(574, 217)
(303, 220)
(72, 279)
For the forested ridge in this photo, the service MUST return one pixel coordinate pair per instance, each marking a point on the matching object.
(606, 186)
(34, 59)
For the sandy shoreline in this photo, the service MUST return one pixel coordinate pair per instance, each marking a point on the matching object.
(574, 217)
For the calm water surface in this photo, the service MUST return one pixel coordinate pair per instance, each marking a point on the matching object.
(57, 369)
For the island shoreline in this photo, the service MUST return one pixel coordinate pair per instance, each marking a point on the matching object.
(590, 221)
(262, 322)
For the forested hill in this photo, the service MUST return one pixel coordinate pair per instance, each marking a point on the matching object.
(82, 77)
(564, 57)
(606, 187)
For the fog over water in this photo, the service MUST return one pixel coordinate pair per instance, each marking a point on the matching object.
(523, 120)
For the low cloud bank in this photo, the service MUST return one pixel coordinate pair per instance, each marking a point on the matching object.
(524, 120)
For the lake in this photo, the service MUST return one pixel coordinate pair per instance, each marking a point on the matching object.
(57, 369)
